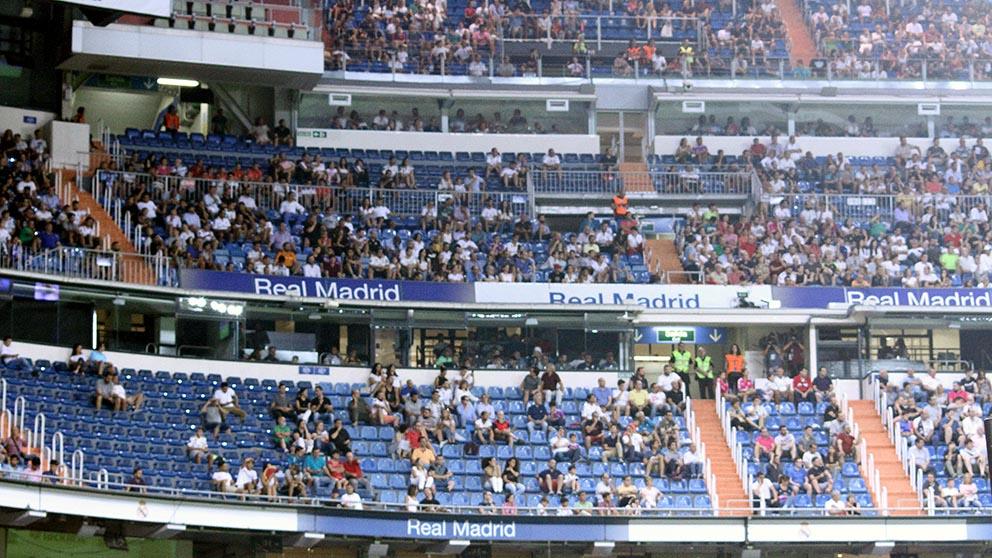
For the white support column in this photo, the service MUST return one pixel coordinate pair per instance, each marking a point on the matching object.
(811, 348)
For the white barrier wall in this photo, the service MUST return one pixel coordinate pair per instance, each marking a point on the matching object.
(272, 371)
(23, 121)
(70, 144)
(451, 143)
(851, 147)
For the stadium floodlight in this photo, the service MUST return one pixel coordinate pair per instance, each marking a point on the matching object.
(454, 546)
(882, 547)
(377, 550)
(178, 82)
(308, 540)
(602, 548)
(27, 517)
(167, 531)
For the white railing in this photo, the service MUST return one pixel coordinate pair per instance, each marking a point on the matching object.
(686, 182)
(101, 265)
(109, 187)
(18, 416)
(77, 466)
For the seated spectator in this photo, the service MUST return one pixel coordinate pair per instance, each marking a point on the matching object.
(551, 162)
(227, 400)
(196, 446)
(213, 418)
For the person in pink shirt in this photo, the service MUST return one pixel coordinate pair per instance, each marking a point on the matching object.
(510, 505)
(745, 385)
(722, 385)
(764, 444)
(957, 393)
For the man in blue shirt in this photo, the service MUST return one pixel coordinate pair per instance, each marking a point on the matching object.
(315, 465)
(602, 393)
(537, 415)
(47, 238)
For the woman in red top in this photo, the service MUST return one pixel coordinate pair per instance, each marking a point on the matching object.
(270, 484)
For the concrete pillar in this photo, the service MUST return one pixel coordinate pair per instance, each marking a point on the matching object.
(811, 349)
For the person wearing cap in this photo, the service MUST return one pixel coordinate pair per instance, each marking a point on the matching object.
(556, 275)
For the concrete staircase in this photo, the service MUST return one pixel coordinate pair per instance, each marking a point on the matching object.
(800, 40)
(133, 268)
(892, 476)
(664, 257)
(729, 488)
(636, 177)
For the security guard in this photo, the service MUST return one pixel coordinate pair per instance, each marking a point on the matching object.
(681, 361)
(704, 373)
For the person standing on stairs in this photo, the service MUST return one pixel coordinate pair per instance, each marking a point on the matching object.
(620, 205)
(681, 360)
(734, 365)
(704, 373)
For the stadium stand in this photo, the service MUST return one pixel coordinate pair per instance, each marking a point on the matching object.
(160, 437)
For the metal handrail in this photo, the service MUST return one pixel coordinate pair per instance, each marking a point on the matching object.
(78, 465)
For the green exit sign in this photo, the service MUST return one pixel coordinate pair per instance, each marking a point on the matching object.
(676, 334)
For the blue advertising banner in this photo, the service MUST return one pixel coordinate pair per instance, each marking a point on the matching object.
(339, 289)
(315, 370)
(468, 527)
(670, 297)
(822, 297)
(673, 335)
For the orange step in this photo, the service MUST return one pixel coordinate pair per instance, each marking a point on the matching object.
(729, 489)
(802, 46)
(893, 476)
(132, 271)
(665, 257)
(636, 177)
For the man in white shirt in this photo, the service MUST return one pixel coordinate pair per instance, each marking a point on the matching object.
(26, 185)
(228, 401)
(785, 444)
(196, 447)
(762, 491)
(351, 499)
(247, 482)
(509, 175)
(920, 456)
(692, 462)
(222, 479)
(8, 353)
(834, 506)
(38, 143)
(550, 162)
(290, 206)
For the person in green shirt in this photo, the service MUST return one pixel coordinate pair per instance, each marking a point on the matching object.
(949, 260)
(281, 434)
(583, 506)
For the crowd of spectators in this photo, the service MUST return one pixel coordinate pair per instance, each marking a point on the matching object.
(930, 227)
(873, 43)
(460, 122)
(626, 423)
(33, 218)
(852, 127)
(943, 431)
(189, 212)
